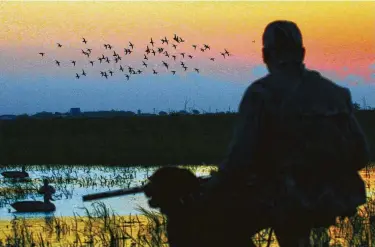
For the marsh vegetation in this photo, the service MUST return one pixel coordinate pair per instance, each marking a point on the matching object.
(127, 220)
(184, 139)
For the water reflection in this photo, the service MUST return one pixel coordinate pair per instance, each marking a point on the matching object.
(71, 183)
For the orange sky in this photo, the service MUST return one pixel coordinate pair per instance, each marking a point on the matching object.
(339, 38)
(336, 34)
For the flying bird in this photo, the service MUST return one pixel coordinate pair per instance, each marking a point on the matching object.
(153, 52)
(174, 57)
(131, 45)
(185, 68)
(176, 38)
(139, 71)
(147, 50)
(121, 68)
(196, 70)
(77, 76)
(127, 77)
(165, 64)
(223, 54)
(190, 56)
(110, 71)
(145, 57)
(202, 49)
(164, 40)
(83, 73)
(182, 54)
(105, 75)
(109, 46)
(84, 40)
(173, 72)
(92, 63)
(107, 60)
(59, 45)
(100, 59)
(154, 72)
(212, 59)
(206, 46)
(106, 46)
(166, 54)
(57, 62)
(144, 64)
(174, 46)
(41, 53)
(160, 50)
(152, 42)
(195, 47)
(74, 63)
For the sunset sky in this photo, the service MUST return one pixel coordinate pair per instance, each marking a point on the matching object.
(339, 38)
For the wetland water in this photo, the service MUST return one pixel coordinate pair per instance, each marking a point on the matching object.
(72, 182)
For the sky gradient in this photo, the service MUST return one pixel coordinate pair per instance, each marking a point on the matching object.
(339, 38)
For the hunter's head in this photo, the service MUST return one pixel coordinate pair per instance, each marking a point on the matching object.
(282, 44)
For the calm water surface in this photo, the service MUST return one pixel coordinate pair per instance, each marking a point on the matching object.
(71, 183)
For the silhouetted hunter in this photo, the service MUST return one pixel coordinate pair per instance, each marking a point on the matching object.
(296, 150)
(292, 164)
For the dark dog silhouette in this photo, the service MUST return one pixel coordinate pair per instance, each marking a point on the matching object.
(173, 190)
(176, 193)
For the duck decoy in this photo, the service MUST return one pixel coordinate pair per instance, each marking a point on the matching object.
(35, 206)
(46, 188)
(16, 174)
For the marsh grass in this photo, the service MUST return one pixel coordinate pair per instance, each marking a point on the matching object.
(103, 227)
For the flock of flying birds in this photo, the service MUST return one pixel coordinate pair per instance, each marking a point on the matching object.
(151, 50)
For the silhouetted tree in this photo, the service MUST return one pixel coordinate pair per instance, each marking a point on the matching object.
(356, 106)
(196, 112)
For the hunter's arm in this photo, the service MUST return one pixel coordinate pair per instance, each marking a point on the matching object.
(363, 150)
(245, 138)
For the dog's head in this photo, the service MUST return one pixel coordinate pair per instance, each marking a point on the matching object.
(168, 185)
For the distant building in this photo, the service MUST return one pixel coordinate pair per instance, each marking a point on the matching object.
(75, 111)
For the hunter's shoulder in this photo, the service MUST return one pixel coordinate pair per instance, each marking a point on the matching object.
(258, 86)
(328, 85)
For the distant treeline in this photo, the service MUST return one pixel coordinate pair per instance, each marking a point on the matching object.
(147, 140)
